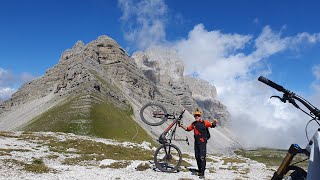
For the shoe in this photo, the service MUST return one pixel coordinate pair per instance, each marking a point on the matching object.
(201, 175)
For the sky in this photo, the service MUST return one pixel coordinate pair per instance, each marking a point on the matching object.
(228, 43)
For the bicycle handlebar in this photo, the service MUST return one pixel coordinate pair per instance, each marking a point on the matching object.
(272, 84)
(291, 95)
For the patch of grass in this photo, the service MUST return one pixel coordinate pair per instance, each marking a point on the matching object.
(57, 119)
(118, 165)
(187, 156)
(234, 168)
(36, 138)
(106, 151)
(244, 171)
(11, 163)
(185, 163)
(8, 134)
(80, 159)
(232, 160)
(212, 170)
(96, 151)
(271, 157)
(223, 168)
(211, 160)
(114, 123)
(37, 166)
(52, 156)
(3, 153)
(143, 167)
(17, 150)
(88, 150)
(102, 120)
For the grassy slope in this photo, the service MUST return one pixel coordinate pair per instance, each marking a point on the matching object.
(271, 157)
(106, 121)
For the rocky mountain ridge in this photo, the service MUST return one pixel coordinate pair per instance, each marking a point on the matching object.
(90, 78)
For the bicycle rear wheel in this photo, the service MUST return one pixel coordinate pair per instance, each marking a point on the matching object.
(167, 158)
(153, 114)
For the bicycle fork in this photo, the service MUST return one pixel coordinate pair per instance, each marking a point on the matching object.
(283, 168)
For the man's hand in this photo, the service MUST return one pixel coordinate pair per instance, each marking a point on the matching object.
(181, 125)
(215, 122)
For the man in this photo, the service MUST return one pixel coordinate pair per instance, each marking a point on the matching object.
(201, 135)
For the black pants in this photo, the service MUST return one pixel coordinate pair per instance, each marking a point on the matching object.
(200, 150)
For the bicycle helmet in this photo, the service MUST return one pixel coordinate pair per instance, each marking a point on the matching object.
(197, 112)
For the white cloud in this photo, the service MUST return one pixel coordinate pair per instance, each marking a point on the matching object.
(8, 82)
(144, 21)
(5, 93)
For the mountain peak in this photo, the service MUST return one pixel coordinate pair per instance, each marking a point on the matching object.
(98, 82)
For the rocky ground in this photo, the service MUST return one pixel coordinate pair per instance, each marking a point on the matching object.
(26, 155)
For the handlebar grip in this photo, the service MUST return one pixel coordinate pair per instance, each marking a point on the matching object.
(272, 84)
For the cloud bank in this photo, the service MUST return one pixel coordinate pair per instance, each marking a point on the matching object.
(220, 59)
(232, 63)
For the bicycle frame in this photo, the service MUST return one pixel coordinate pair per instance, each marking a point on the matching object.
(314, 164)
(174, 124)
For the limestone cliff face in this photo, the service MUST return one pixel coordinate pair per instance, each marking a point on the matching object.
(206, 97)
(165, 69)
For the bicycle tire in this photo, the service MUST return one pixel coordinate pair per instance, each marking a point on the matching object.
(163, 166)
(163, 119)
(297, 174)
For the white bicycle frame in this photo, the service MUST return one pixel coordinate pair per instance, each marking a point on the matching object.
(314, 160)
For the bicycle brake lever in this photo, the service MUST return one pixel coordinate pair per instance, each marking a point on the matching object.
(281, 99)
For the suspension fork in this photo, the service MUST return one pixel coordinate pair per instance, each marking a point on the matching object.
(283, 168)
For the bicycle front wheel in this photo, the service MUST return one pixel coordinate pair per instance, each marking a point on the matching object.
(167, 158)
(297, 174)
(153, 114)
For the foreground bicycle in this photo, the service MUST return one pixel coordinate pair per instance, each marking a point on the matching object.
(312, 150)
(167, 157)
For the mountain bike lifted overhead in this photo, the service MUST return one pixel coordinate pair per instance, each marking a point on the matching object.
(167, 157)
(312, 151)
